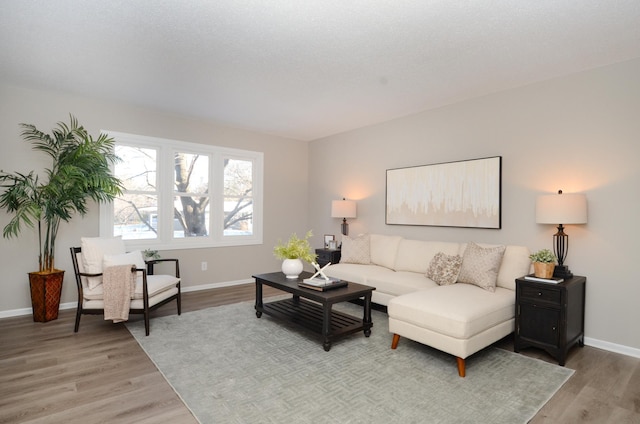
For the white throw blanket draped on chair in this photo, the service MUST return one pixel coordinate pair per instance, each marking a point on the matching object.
(119, 284)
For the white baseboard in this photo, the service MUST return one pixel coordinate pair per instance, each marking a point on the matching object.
(17, 312)
(216, 285)
(612, 347)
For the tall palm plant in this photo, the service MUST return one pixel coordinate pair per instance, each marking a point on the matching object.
(80, 171)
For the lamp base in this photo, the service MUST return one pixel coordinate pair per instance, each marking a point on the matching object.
(345, 227)
(562, 271)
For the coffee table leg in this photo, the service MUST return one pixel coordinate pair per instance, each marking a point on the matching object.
(366, 319)
(326, 327)
(258, 299)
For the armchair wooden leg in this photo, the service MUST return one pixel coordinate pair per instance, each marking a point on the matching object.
(461, 367)
(394, 342)
(146, 323)
(77, 327)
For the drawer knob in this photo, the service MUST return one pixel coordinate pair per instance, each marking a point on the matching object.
(539, 293)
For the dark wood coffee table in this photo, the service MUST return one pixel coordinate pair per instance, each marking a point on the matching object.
(312, 309)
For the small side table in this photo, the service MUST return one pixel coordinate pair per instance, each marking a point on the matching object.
(550, 316)
(325, 256)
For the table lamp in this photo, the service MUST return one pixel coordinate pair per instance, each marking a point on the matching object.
(560, 209)
(343, 209)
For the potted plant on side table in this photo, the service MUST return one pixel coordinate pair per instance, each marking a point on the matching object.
(544, 262)
(80, 171)
(293, 253)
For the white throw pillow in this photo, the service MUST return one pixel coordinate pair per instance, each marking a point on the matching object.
(480, 266)
(93, 251)
(131, 258)
(355, 250)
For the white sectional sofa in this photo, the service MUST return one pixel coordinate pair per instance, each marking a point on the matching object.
(457, 317)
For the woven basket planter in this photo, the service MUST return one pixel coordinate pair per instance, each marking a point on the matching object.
(543, 269)
(46, 289)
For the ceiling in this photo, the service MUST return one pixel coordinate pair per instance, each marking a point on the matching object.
(306, 69)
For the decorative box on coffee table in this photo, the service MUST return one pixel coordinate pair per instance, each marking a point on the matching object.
(550, 316)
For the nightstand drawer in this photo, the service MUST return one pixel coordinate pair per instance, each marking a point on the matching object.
(541, 294)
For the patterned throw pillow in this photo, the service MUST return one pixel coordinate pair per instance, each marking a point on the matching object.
(444, 269)
(356, 250)
(480, 266)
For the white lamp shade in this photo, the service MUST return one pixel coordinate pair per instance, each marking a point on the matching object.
(561, 209)
(343, 209)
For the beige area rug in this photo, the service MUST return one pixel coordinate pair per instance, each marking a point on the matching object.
(231, 367)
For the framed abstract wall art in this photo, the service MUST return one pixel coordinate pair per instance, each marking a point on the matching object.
(466, 193)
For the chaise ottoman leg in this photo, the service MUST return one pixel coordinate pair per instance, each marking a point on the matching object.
(461, 368)
(394, 342)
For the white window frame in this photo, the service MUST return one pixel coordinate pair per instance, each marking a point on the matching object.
(166, 149)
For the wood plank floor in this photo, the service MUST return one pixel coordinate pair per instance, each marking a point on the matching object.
(48, 374)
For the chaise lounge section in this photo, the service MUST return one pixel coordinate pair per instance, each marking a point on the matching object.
(456, 297)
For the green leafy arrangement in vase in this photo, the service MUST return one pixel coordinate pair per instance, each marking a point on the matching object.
(295, 248)
(544, 256)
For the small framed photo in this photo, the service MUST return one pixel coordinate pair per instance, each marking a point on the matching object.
(328, 238)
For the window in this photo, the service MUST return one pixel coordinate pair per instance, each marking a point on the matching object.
(184, 195)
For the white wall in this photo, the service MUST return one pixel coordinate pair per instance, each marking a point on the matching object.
(579, 133)
(285, 186)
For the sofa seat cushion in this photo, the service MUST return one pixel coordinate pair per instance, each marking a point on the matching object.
(156, 284)
(459, 310)
(399, 283)
(135, 303)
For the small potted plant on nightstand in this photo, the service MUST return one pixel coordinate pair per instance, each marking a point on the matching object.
(544, 262)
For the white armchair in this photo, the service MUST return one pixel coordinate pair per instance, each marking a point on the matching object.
(151, 290)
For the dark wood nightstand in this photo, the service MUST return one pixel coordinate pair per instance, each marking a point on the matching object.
(550, 316)
(325, 256)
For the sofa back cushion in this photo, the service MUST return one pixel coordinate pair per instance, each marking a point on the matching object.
(384, 250)
(515, 264)
(416, 255)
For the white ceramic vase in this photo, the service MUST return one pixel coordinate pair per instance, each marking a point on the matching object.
(292, 268)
